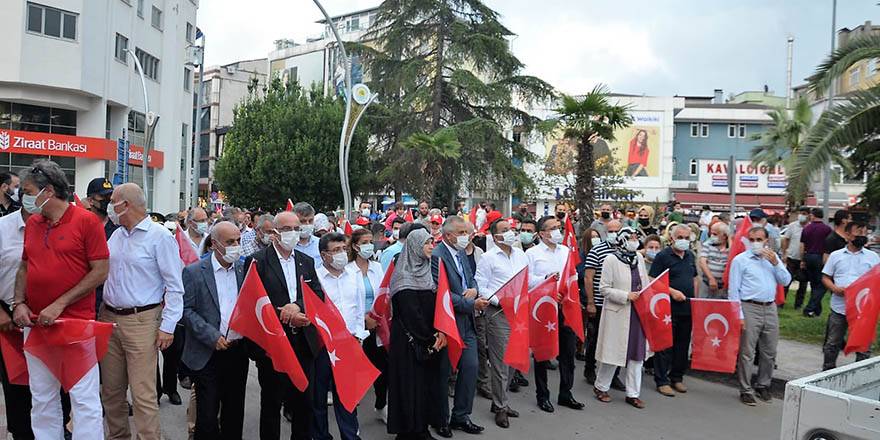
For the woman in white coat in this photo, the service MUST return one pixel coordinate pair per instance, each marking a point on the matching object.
(621, 340)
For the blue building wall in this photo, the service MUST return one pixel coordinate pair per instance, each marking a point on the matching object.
(716, 146)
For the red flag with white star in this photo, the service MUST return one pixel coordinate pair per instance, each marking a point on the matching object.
(544, 321)
(512, 296)
(289, 207)
(571, 298)
(716, 332)
(862, 309)
(444, 318)
(381, 310)
(655, 312)
(353, 373)
(570, 240)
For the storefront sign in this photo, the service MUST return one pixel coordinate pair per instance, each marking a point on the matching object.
(46, 144)
(749, 179)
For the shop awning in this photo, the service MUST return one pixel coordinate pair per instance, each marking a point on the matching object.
(769, 203)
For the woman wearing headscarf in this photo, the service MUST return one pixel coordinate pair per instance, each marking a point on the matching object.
(621, 340)
(413, 361)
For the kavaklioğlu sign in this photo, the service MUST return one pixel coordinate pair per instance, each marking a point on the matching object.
(750, 179)
(47, 144)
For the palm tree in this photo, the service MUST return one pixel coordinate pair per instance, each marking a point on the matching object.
(585, 119)
(782, 140)
(423, 159)
(847, 132)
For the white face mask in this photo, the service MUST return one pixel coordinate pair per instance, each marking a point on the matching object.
(365, 212)
(611, 237)
(201, 227)
(756, 246)
(396, 234)
(508, 238)
(462, 242)
(802, 218)
(113, 215)
(556, 236)
(595, 241)
(305, 232)
(289, 239)
(682, 244)
(339, 261)
(233, 253)
(14, 195)
(30, 203)
(367, 250)
(632, 245)
(266, 239)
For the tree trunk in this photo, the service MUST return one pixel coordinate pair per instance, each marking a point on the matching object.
(584, 183)
(437, 99)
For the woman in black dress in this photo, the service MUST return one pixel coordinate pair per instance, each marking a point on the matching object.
(413, 359)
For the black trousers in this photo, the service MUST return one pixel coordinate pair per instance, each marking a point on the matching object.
(220, 388)
(592, 338)
(275, 389)
(567, 347)
(379, 357)
(166, 381)
(797, 274)
(671, 364)
(817, 289)
(18, 406)
(835, 340)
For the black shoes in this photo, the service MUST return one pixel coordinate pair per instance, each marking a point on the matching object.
(174, 398)
(444, 432)
(570, 403)
(546, 406)
(513, 387)
(764, 394)
(520, 379)
(510, 412)
(748, 399)
(466, 426)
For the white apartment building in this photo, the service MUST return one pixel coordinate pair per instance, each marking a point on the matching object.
(69, 89)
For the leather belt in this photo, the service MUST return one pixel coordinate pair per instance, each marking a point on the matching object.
(760, 303)
(131, 310)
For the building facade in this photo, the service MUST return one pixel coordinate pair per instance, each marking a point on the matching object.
(69, 90)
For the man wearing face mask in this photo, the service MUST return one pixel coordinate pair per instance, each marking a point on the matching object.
(465, 302)
(793, 253)
(397, 244)
(258, 238)
(713, 260)
(340, 286)
(600, 225)
(842, 268)
(528, 231)
(10, 198)
(308, 243)
(496, 267)
(546, 260)
(592, 274)
(214, 353)
(98, 197)
(197, 228)
(671, 364)
(754, 275)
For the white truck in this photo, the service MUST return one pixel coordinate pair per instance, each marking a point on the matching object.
(839, 404)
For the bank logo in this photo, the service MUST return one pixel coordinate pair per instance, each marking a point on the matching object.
(4, 140)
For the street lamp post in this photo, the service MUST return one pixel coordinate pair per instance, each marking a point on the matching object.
(150, 119)
(197, 128)
(826, 172)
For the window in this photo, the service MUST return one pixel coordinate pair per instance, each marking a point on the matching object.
(741, 130)
(704, 130)
(693, 167)
(731, 130)
(854, 77)
(51, 22)
(695, 129)
(149, 63)
(141, 8)
(28, 117)
(156, 18)
(187, 79)
(137, 127)
(121, 47)
(189, 32)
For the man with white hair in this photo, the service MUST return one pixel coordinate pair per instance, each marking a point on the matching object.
(145, 274)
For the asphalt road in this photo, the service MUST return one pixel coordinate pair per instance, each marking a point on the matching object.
(707, 411)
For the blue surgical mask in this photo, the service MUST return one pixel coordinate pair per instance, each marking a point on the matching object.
(651, 253)
(30, 203)
(611, 237)
(526, 237)
(682, 244)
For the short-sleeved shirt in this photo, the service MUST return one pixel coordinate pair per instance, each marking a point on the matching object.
(682, 271)
(58, 256)
(793, 234)
(595, 259)
(716, 260)
(813, 237)
(844, 267)
(834, 242)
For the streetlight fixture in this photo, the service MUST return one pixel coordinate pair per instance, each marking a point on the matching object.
(151, 120)
(197, 56)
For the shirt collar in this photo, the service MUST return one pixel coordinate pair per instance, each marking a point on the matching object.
(280, 256)
(324, 273)
(860, 251)
(451, 249)
(219, 267)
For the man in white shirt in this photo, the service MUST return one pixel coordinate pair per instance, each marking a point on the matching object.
(145, 273)
(792, 253)
(545, 260)
(843, 267)
(213, 352)
(495, 268)
(308, 243)
(340, 287)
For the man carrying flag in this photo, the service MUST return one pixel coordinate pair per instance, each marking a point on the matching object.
(548, 259)
(498, 266)
(65, 257)
(845, 266)
(754, 275)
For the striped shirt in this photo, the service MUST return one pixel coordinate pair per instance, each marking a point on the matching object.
(594, 261)
(716, 260)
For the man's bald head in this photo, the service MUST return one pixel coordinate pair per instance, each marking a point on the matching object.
(286, 219)
(130, 193)
(224, 231)
(613, 226)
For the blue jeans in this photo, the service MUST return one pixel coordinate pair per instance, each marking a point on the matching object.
(323, 382)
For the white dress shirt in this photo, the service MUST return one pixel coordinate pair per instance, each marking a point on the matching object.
(496, 268)
(145, 268)
(288, 266)
(845, 267)
(544, 261)
(11, 245)
(227, 294)
(374, 274)
(343, 292)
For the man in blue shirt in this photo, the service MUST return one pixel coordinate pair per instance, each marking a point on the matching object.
(843, 267)
(754, 275)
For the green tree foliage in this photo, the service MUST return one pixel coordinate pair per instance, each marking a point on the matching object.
(781, 141)
(446, 65)
(285, 144)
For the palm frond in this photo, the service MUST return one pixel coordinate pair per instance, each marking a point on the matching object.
(857, 49)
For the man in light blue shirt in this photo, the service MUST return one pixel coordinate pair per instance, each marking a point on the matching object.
(308, 243)
(843, 267)
(398, 233)
(754, 275)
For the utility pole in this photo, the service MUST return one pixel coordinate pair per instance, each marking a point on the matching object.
(788, 92)
(150, 119)
(197, 129)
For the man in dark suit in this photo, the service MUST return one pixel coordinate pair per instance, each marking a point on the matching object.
(212, 351)
(280, 268)
(463, 289)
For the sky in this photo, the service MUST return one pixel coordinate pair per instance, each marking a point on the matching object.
(651, 47)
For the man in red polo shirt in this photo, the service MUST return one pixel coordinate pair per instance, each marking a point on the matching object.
(65, 257)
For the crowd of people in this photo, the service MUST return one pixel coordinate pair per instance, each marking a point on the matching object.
(107, 258)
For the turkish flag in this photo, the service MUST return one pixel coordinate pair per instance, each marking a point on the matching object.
(472, 215)
(512, 296)
(570, 240)
(353, 373)
(737, 246)
(70, 348)
(655, 312)
(780, 294)
(408, 217)
(289, 207)
(571, 298)
(544, 321)
(716, 332)
(444, 318)
(187, 254)
(78, 202)
(12, 346)
(251, 319)
(381, 310)
(862, 309)
(348, 229)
